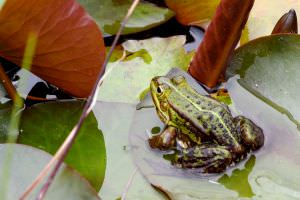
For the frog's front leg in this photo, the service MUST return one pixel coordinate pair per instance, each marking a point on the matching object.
(251, 135)
(211, 157)
(165, 140)
(170, 138)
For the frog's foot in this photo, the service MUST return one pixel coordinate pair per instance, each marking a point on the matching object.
(251, 135)
(210, 157)
(165, 140)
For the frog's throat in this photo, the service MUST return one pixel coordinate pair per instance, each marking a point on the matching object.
(162, 115)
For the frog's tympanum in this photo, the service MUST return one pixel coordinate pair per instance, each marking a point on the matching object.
(202, 129)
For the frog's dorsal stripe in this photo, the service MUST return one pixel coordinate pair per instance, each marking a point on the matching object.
(175, 89)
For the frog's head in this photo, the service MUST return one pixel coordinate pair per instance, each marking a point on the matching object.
(161, 88)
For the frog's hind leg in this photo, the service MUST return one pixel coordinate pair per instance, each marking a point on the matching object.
(211, 158)
(251, 135)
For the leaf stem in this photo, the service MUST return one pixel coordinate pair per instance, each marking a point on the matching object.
(60, 155)
(8, 86)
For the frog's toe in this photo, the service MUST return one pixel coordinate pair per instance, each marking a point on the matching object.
(211, 158)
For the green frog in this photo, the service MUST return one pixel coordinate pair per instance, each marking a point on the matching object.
(200, 128)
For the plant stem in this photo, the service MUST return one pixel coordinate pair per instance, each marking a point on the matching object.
(60, 155)
(7, 84)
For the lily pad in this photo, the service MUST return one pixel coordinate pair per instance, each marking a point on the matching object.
(109, 14)
(25, 163)
(45, 126)
(115, 121)
(267, 178)
(269, 68)
(129, 78)
(238, 181)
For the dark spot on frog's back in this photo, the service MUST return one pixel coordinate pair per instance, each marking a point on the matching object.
(213, 128)
(204, 125)
(190, 111)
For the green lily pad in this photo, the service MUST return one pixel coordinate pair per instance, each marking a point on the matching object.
(129, 78)
(109, 14)
(269, 68)
(45, 126)
(25, 163)
(115, 121)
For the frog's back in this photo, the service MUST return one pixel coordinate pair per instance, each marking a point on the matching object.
(204, 113)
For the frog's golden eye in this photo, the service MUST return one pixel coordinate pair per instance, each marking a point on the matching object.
(178, 79)
(160, 89)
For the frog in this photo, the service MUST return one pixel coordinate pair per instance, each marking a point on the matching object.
(201, 130)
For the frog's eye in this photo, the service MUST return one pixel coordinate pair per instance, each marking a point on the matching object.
(159, 89)
(178, 79)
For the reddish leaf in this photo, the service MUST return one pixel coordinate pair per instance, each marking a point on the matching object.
(287, 23)
(70, 48)
(220, 39)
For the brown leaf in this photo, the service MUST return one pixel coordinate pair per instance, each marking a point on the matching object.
(220, 39)
(287, 23)
(70, 49)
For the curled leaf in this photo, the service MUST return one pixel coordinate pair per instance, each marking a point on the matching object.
(264, 16)
(219, 41)
(287, 23)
